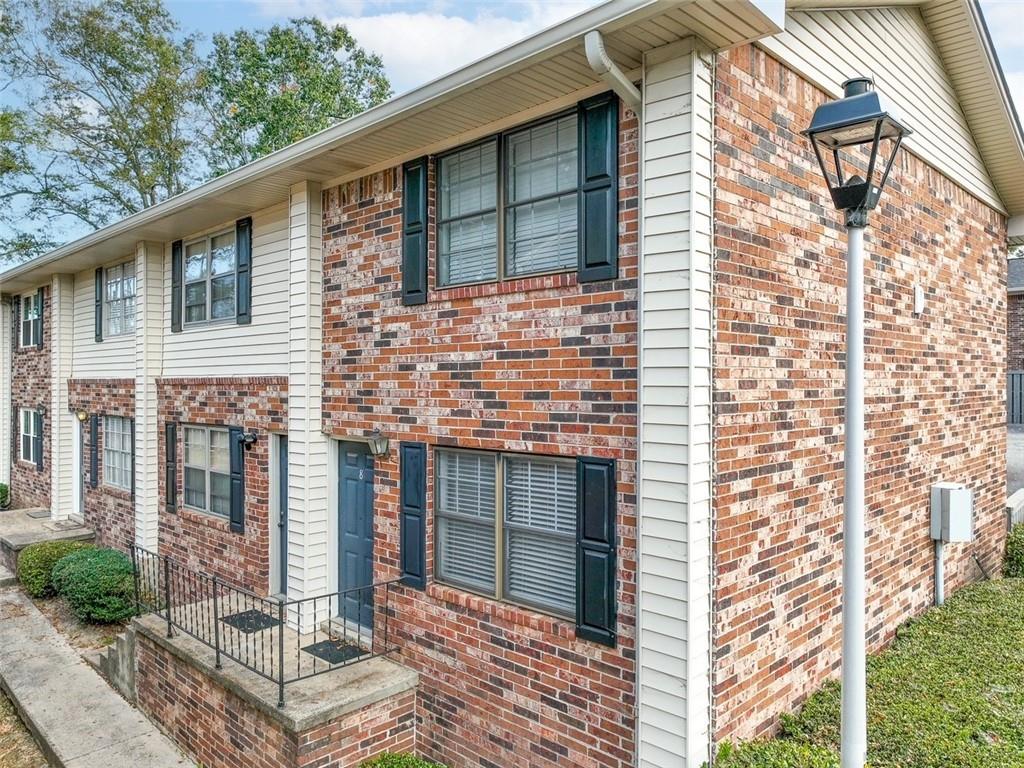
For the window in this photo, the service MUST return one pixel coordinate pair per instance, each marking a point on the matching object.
(528, 504)
(207, 470)
(30, 443)
(514, 215)
(119, 298)
(210, 274)
(30, 309)
(118, 456)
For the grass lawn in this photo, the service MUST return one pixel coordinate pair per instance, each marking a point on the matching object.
(948, 693)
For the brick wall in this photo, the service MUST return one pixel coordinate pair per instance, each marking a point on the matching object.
(542, 365)
(1015, 332)
(30, 388)
(935, 389)
(203, 541)
(109, 511)
(219, 729)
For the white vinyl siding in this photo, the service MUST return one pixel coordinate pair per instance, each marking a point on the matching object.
(892, 45)
(117, 452)
(207, 470)
(27, 444)
(119, 300)
(27, 322)
(225, 348)
(112, 358)
(526, 502)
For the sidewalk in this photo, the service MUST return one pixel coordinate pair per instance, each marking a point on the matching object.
(79, 721)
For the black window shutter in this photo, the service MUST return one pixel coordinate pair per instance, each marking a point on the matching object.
(599, 188)
(413, 533)
(39, 318)
(16, 309)
(595, 550)
(99, 304)
(171, 465)
(94, 455)
(237, 514)
(131, 425)
(243, 294)
(414, 232)
(177, 277)
(39, 440)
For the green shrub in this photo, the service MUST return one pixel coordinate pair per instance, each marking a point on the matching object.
(98, 585)
(392, 760)
(5, 495)
(36, 562)
(775, 754)
(1014, 565)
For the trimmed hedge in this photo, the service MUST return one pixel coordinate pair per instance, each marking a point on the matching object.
(36, 562)
(392, 760)
(775, 754)
(1014, 564)
(98, 585)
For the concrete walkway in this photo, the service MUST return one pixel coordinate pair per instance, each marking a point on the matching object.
(79, 721)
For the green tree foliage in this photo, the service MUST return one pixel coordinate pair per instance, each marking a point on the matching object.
(99, 132)
(265, 89)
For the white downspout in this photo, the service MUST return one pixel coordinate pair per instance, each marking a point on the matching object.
(609, 71)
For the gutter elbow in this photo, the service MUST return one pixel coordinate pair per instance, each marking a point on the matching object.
(608, 70)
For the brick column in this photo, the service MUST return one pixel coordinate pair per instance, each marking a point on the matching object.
(149, 329)
(62, 422)
(308, 542)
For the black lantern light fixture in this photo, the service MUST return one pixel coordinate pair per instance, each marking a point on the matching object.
(859, 119)
(841, 131)
(378, 443)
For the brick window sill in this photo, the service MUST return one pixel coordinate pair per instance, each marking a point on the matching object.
(516, 285)
(205, 519)
(507, 613)
(114, 491)
(27, 464)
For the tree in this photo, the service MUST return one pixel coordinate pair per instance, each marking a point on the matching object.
(265, 89)
(102, 125)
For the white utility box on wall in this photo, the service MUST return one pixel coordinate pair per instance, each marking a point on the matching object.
(952, 512)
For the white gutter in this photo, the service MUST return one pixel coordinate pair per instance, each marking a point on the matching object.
(609, 71)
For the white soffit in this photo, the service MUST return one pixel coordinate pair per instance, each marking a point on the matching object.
(538, 71)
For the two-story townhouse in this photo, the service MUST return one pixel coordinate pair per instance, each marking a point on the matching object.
(593, 306)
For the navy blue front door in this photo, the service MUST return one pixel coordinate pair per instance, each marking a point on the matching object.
(282, 517)
(356, 527)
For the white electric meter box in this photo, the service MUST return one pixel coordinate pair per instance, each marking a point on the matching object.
(952, 512)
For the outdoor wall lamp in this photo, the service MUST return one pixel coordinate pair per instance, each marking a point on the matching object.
(857, 122)
(378, 443)
(249, 439)
(81, 415)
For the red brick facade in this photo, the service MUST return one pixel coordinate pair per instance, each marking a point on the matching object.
(543, 365)
(220, 730)
(30, 388)
(203, 541)
(935, 388)
(108, 510)
(1015, 332)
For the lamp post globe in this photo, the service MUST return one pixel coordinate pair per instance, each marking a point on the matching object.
(841, 132)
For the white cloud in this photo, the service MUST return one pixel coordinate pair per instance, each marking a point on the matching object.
(1003, 19)
(418, 46)
(1015, 80)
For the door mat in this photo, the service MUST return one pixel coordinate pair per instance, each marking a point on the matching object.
(38, 514)
(250, 621)
(334, 651)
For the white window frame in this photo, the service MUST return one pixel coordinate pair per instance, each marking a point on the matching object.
(29, 300)
(501, 528)
(122, 460)
(206, 468)
(207, 280)
(31, 413)
(503, 206)
(127, 320)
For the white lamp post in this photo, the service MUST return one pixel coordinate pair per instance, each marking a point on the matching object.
(858, 120)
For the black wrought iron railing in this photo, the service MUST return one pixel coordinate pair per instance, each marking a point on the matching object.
(283, 641)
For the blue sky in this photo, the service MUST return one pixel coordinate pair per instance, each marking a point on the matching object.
(420, 40)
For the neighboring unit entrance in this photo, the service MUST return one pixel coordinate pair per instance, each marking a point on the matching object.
(282, 514)
(355, 524)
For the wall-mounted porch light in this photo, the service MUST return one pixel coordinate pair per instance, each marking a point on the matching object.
(858, 120)
(378, 443)
(82, 415)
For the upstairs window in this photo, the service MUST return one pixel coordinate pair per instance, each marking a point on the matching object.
(119, 299)
(211, 264)
(507, 206)
(30, 312)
